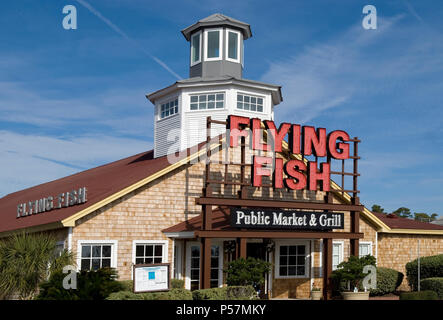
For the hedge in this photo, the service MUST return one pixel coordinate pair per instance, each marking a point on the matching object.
(173, 294)
(177, 284)
(210, 294)
(434, 284)
(430, 267)
(419, 295)
(388, 280)
(226, 293)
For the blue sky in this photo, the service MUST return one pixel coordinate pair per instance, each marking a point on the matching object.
(74, 99)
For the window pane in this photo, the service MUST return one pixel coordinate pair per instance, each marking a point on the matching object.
(194, 285)
(259, 101)
(195, 263)
(283, 250)
(213, 44)
(96, 251)
(86, 251)
(86, 264)
(219, 104)
(95, 264)
(283, 260)
(246, 99)
(149, 251)
(106, 263)
(220, 97)
(211, 105)
(149, 260)
(292, 271)
(211, 97)
(195, 48)
(195, 274)
(106, 251)
(239, 97)
(157, 260)
(139, 261)
(195, 251)
(239, 105)
(292, 260)
(253, 107)
(194, 106)
(300, 260)
(253, 100)
(214, 262)
(202, 105)
(139, 251)
(300, 271)
(233, 46)
(194, 98)
(214, 283)
(246, 106)
(300, 249)
(283, 271)
(202, 98)
(214, 274)
(260, 108)
(159, 251)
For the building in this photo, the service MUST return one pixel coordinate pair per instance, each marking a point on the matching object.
(171, 205)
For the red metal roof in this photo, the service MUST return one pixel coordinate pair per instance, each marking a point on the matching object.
(101, 182)
(395, 222)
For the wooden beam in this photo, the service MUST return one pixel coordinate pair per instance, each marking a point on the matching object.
(277, 204)
(327, 265)
(277, 234)
(205, 256)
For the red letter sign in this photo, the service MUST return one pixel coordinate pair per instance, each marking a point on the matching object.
(324, 176)
(259, 171)
(311, 138)
(333, 146)
(234, 123)
(291, 170)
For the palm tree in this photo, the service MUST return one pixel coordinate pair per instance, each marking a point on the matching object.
(26, 260)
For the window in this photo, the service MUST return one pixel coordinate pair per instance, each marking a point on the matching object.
(207, 101)
(291, 261)
(250, 103)
(168, 109)
(365, 248)
(195, 267)
(233, 47)
(337, 254)
(96, 255)
(213, 44)
(148, 253)
(195, 48)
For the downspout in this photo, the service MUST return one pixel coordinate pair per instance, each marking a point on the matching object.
(70, 239)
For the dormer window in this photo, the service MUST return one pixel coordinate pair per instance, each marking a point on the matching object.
(213, 40)
(233, 46)
(196, 48)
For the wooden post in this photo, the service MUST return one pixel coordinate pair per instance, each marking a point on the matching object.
(355, 228)
(241, 248)
(205, 265)
(327, 265)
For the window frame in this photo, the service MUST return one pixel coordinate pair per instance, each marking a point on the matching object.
(153, 242)
(340, 254)
(159, 108)
(365, 243)
(279, 244)
(238, 45)
(199, 33)
(112, 243)
(220, 44)
(207, 94)
(249, 95)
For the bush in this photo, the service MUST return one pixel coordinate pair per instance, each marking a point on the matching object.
(174, 294)
(430, 267)
(91, 285)
(177, 284)
(127, 285)
(245, 272)
(419, 295)
(210, 294)
(241, 293)
(388, 280)
(351, 271)
(434, 284)
(124, 295)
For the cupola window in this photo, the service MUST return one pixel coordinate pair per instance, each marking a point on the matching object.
(168, 109)
(213, 44)
(196, 48)
(233, 47)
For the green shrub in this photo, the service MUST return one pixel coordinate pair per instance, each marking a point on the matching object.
(430, 267)
(241, 293)
(177, 284)
(124, 295)
(175, 294)
(434, 284)
(419, 295)
(388, 280)
(351, 272)
(245, 272)
(91, 285)
(210, 294)
(127, 285)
